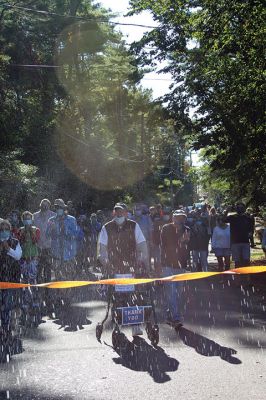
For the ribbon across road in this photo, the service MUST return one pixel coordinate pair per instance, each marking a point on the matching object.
(188, 276)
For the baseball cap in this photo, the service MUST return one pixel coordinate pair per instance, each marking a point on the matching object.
(179, 212)
(122, 206)
(60, 203)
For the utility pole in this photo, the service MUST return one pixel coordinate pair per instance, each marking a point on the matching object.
(171, 191)
(171, 181)
(142, 135)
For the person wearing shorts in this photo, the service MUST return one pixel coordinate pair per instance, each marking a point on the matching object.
(221, 243)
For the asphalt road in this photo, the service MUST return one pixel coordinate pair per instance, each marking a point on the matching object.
(218, 354)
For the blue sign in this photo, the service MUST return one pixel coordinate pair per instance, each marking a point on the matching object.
(132, 315)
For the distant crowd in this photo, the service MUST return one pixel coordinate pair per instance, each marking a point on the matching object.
(41, 240)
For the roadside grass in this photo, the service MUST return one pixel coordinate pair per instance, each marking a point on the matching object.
(257, 254)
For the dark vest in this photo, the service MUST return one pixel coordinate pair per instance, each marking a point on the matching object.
(174, 252)
(121, 246)
(9, 267)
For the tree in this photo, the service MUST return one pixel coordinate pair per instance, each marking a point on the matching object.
(72, 109)
(215, 54)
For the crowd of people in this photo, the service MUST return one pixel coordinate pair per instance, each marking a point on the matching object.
(57, 242)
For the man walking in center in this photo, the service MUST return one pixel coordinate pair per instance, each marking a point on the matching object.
(123, 248)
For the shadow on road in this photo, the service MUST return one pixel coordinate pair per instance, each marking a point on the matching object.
(140, 356)
(207, 347)
(75, 318)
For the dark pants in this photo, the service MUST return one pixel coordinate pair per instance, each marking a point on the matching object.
(31, 302)
(45, 266)
(60, 299)
(241, 254)
(44, 276)
(9, 318)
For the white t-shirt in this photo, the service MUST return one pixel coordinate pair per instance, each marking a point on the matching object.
(103, 237)
(221, 238)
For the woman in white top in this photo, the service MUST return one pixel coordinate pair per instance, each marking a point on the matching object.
(221, 243)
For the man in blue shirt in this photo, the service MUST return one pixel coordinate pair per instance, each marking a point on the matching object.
(63, 231)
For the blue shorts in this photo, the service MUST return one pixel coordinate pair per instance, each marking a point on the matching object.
(222, 252)
(241, 252)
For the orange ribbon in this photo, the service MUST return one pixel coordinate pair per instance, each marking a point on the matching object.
(188, 276)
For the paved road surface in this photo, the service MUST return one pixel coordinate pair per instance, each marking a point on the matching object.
(218, 354)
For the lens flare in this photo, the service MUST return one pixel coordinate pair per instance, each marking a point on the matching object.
(92, 137)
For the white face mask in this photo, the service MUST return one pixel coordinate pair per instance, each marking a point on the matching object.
(119, 220)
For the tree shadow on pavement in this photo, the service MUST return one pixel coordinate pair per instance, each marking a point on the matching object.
(71, 318)
(73, 322)
(207, 347)
(141, 356)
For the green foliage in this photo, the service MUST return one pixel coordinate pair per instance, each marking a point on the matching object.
(262, 212)
(84, 129)
(217, 187)
(20, 184)
(215, 52)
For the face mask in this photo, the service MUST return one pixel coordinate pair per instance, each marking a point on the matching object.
(60, 212)
(198, 222)
(119, 220)
(4, 235)
(138, 213)
(27, 222)
(190, 220)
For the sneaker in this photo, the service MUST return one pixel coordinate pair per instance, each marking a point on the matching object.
(136, 330)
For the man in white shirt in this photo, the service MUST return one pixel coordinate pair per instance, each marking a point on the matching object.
(122, 247)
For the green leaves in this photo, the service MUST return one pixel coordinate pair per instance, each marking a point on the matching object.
(79, 118)
(216, 56)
